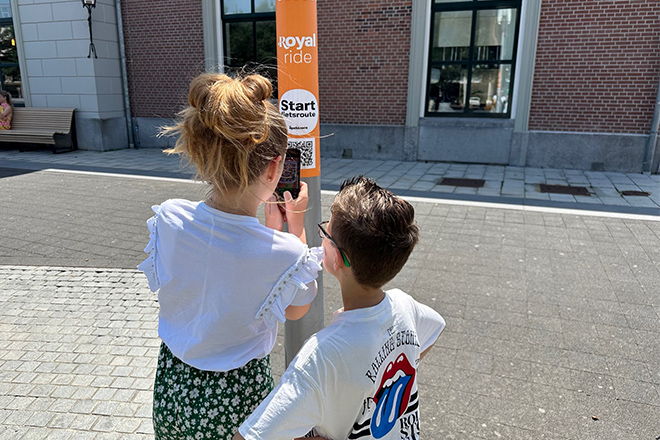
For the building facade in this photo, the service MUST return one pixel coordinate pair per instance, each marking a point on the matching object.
(544, 83)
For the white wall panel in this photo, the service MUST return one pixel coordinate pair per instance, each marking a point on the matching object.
(55, 31)
(40, 50)
(45, 85)
(35, 67)
(36, 13)
(30, 32)
(63, 66)
(81, 85)
(65, 101)
(55, 45)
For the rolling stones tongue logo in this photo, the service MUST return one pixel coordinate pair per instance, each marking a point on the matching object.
(392, 396)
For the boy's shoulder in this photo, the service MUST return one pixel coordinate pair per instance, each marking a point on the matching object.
(355, 330)
(401, 299)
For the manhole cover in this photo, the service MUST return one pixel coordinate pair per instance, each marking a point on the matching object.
(635, 193)
(469, 183)
(564, 189)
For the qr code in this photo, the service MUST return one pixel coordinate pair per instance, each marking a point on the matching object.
(307, 149)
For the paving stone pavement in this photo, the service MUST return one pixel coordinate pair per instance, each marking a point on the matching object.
(78, 350)
(553, 326)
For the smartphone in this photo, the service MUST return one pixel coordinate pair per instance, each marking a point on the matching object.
(290, 180)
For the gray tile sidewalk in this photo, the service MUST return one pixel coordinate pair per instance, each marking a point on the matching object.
(553, 317)
(78, 351)
(503, 184)
(552, 332)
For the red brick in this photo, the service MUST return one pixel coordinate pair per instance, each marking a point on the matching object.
(596, 66)
(164, 51)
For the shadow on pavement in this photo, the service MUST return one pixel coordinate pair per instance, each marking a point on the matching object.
(10, 172)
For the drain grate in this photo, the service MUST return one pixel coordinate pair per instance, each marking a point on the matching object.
(468, 183)
(564, 189)
(635, 193)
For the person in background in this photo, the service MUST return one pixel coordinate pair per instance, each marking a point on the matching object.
(7, 110)
(224, 280)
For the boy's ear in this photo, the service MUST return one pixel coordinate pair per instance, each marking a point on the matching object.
(339, 261)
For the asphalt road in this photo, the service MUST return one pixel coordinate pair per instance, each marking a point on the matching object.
(51, 218)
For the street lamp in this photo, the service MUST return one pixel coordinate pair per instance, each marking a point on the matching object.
(89, 4)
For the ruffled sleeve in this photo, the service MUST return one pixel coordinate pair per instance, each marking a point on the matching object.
(151, 264)
(297, 286)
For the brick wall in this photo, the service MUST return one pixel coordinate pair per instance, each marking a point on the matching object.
(597, 66)
(363, 61)
(164, 51)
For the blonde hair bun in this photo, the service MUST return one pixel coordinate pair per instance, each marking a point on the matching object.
(230, 130)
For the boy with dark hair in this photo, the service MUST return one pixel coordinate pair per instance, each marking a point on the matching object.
(357, 378)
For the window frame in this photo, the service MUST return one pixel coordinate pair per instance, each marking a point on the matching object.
(20, 101)
(250, 17)
(473, 6)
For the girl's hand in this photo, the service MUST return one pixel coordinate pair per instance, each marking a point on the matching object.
(274, 217)
(295, 211)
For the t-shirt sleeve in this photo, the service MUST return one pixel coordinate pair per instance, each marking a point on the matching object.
(153, 267)
(291, 410)
(297, 286)
(429, 324)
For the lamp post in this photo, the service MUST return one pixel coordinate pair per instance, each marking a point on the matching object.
(89, 4)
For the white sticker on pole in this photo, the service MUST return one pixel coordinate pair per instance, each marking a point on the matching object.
(300, 110)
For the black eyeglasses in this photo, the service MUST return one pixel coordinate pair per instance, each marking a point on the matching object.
(324, 234)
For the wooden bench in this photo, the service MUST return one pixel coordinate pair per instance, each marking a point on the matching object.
(46, 126)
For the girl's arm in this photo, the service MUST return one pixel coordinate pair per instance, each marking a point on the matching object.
(295, 219)
(6, 111)
(294, 313)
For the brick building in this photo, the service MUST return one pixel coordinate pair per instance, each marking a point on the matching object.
(546, 83)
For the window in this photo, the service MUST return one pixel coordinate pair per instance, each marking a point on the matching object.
(249, 36)
(10, 75)
(472, 57)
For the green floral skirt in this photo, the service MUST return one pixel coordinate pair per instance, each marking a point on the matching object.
(195, 404)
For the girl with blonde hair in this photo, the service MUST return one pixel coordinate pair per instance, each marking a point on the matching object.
(224, 280)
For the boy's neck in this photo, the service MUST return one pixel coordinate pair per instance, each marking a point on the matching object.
(356, 296)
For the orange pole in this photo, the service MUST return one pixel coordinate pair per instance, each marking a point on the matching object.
(298, 86)
(298, 79)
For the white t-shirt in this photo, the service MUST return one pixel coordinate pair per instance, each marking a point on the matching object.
(357, 378)
(223, 281)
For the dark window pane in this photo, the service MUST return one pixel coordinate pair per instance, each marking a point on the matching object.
(240, 44)
(11, 82)
(496, 29)
(266, 42)
(451, 36)
(264, 6)
(5, 9)
(475, 42)
(8, 53)
(447, 89)
(490, 88)
(236, 7)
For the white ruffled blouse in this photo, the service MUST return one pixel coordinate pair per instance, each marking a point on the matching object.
(223, 282)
